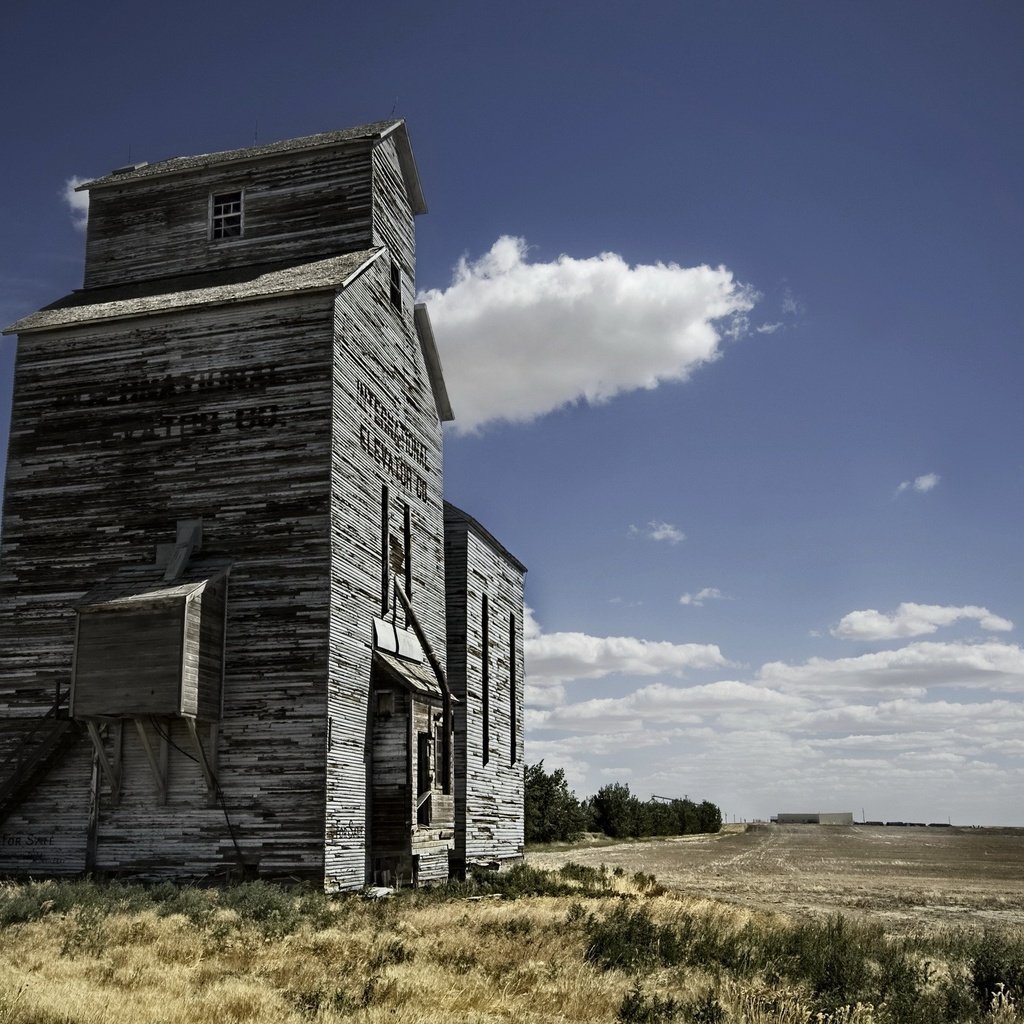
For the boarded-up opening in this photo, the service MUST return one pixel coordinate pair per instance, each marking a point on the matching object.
(144, 647)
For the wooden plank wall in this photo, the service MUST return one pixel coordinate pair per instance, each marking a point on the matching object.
(385, 433)
(299, 207)
(392, 803)
(394, 226)
(101, 467)
(488, 790)
(211, 649)
(278, 423)
(129, 659)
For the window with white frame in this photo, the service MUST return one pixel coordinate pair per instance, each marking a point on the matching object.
(226, 215)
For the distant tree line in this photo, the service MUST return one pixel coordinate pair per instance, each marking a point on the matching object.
(554, 814)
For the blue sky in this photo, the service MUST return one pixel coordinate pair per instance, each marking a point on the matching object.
(772, 507)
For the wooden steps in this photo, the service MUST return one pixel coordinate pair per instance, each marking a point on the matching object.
(40, 749)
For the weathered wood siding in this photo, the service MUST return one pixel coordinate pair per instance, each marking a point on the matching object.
(386, 433)
(394, 227)
(488, 777)
(297, 208)
(211, 606)
(117, 432)
(392, 800)
(129, 661)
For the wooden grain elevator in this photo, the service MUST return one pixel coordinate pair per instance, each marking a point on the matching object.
(240, 628)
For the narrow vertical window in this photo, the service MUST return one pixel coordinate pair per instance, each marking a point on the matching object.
(385, 551)
(424, 777)
(407, 529)
(396, 286)
(226, 215)
(485, 684)
(513, 707)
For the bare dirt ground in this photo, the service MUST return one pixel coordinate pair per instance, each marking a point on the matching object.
(909, 877)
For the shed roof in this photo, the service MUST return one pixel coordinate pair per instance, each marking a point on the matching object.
(417, 679)
(324, 140)
(219, 288)
(135, 586)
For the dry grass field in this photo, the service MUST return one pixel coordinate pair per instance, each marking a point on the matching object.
(930, 933)
(905, 877)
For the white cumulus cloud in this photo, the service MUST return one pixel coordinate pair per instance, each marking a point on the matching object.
(554, 659)
(78, 202)
(656, 530)
(519, 339)
(698, 599)
(921, 484)
(911, 619)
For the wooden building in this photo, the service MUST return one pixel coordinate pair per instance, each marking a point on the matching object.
(225, 614)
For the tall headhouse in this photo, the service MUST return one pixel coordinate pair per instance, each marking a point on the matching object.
(240, 628)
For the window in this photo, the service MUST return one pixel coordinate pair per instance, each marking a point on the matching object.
(396, 286)
(226, 215)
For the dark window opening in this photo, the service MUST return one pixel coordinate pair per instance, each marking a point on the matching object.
(396, 286)
(485, 684)
(385, 552)
(513, 709)
(397, 555)
(438, 753)
(424, 776)
(226, 215)
(385, 704)
(407, 531)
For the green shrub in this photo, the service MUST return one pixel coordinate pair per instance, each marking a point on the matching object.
(636, 1008)
(270, 908)
(997, 965)
(630, 940)
(834, 957)
(520, 880)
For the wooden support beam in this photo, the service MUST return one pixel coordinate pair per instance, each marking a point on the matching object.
(111, 771)
(159, 776)
(446, 745)
(204, 764)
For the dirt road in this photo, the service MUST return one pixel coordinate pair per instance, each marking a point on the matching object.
(909, 876)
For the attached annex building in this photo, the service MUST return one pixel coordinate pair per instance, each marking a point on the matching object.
(240, 628)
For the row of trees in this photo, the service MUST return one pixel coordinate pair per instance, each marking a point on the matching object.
(554, 814)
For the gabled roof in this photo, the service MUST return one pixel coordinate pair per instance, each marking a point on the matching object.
(219, 288)
(325, 140)
(455, 517)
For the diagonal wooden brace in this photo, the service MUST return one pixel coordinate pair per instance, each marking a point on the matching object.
(158, 765)
(111, 771)
(204, 764)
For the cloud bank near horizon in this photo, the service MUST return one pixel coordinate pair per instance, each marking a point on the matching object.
(928, 728)
(519, 339)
